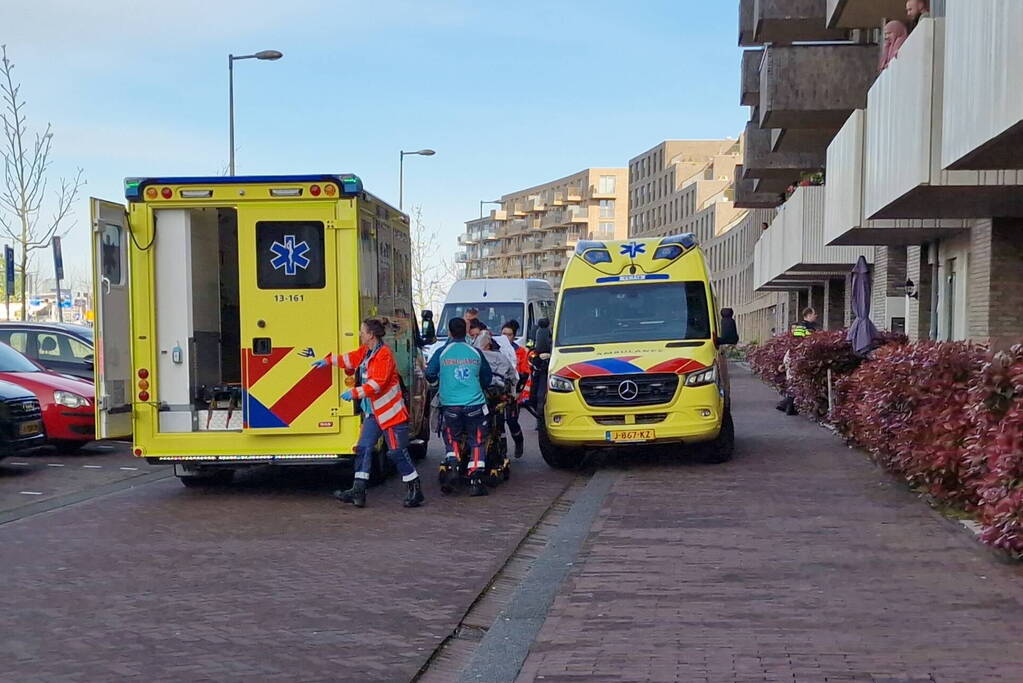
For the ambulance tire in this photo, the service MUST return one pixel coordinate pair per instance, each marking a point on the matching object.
(558, 457)
(722, 448)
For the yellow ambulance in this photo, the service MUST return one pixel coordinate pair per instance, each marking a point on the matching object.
(636, 353)
(214, 296)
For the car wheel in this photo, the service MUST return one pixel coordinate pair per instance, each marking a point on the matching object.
(722, 448)
(69, 447)
(559, 457)
(210, 478)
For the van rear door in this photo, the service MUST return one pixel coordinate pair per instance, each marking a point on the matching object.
(287, 276)
(112, 354)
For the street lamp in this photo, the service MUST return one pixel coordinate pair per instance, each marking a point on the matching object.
(401, 173)
(482, 202)
(266, 55)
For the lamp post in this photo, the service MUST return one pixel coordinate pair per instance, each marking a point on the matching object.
(266, 55)
(401, 173)
(482, 202)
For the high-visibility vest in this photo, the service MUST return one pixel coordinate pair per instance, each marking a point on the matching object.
(800, 330)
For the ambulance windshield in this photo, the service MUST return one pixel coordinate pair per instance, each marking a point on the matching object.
(493, 315)
(665, 311)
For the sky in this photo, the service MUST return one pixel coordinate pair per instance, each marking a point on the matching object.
(510, 95)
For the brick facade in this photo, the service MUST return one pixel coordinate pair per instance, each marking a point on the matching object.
(834, 314)
(918, 310)
(995, 302)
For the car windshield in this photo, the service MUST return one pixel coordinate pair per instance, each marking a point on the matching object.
(12, 361)
(665, 311)
(493, 315)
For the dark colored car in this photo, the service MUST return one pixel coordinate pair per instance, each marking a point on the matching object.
(60, 347)
(67, 402)
(21, 420)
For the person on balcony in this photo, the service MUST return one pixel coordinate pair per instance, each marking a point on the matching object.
(917, 10)
(895, 34)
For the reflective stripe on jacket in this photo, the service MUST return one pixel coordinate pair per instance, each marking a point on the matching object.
(381, 384)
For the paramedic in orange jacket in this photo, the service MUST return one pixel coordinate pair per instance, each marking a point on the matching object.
(383, 409)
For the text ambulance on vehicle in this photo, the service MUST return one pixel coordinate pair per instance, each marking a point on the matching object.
(214, 297)
(636, 354)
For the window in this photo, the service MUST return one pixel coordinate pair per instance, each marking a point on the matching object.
(16, 340)
(633, 313)
(606, 230)
(290, 255)
(111, 253)
(607, 184)
(607, 208)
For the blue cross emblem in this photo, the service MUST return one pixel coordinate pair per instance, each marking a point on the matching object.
(289, 256)
(633, 249)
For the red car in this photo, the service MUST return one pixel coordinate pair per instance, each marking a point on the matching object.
(67, 403)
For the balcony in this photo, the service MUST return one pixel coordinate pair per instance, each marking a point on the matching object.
(814, 86)
(747, 23)
(461, 257)
(983, 113)
(746, 196)
(789, 21)
(573, 194)
(864, 13)
(488, 235)
(792, 253)
(577, 214)
(845, 222)
(554, 218)
(761, 162)
(499, 215)
(597, 193)
(467, 239)
(903, 174)
(749, 95)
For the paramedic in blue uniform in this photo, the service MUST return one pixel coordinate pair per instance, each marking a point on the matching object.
(463, 374)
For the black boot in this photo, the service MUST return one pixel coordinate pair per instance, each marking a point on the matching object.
(448, 474)
(517, 438)
(355, 495)
(414, 495)
(477, 487)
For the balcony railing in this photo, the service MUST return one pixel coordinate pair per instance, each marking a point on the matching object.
(844, 220)
(903, 175)
(461, 257)
(793, 247)
(983, 104)
(554, 218)
(814, 86)
(779, 169)
(788, 21)
(749, 94)
(577, 214)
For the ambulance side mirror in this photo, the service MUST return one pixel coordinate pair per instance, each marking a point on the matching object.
(728, 331)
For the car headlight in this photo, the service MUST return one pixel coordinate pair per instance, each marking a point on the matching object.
(560, 384)
(702, 377)
(69, 400)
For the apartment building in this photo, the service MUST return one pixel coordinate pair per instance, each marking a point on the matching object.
(923, 161)
(535, 231)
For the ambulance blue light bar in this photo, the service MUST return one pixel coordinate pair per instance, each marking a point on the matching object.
(350, 184)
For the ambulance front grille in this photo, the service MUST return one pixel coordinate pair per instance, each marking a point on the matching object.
(629, 390)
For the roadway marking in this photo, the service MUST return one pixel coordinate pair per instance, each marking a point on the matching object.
(92, 467)
(129, 469)
(54, 464)
(22, 464)
(31, 493)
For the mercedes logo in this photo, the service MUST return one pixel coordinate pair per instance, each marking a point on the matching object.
(628, 390)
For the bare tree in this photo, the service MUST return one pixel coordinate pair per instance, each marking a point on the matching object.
(432, 273)
(23, 193)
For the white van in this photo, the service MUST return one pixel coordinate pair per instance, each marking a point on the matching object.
(498, 301)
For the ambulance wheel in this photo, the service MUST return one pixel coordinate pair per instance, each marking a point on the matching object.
(558, 457)
(722, 448)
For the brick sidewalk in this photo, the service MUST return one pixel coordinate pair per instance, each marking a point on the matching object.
(798, 561)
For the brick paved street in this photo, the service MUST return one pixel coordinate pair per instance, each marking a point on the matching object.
(797, 561)
(266, 580)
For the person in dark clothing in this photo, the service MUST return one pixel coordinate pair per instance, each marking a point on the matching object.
(543, 344)
(804, 328)
(729, 330)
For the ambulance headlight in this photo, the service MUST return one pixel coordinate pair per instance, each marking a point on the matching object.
(703, 377)
(560, 384)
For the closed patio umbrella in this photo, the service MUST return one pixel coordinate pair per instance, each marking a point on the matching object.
(862, 332)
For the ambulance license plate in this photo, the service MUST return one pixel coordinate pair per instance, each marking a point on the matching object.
(630, 435)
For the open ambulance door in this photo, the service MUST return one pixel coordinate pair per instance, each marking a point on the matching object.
(112, 362)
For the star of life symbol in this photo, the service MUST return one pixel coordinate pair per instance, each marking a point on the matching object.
(289, 255)
(633, 249)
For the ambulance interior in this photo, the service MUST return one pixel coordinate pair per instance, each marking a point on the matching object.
(198, 326)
